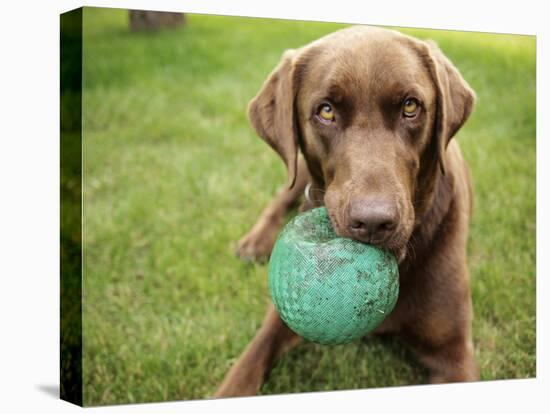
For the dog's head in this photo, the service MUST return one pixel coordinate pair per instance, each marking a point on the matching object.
(372, 111)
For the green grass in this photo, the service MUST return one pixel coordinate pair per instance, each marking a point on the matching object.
(174, 175)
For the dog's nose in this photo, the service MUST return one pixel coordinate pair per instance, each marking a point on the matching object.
(372, 219)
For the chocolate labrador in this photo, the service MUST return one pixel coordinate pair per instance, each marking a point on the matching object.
(364, 118)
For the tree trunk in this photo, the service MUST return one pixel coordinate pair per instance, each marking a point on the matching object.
(153, 20)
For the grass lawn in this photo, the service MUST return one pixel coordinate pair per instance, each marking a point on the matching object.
(174, 175)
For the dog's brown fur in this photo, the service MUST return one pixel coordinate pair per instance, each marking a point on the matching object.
(371, 152)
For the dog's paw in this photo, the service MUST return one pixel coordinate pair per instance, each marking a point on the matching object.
(256, 245)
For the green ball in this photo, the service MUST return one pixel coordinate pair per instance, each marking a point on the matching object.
(329, 289)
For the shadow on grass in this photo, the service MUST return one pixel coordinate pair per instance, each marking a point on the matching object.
(369, 363)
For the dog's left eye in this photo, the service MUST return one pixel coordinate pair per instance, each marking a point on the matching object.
(411, 106)
(325, 113)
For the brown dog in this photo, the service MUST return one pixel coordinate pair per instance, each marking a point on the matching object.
(372, 112)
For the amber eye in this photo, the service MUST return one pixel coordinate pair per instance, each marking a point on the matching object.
(326, 113)
(410, 107)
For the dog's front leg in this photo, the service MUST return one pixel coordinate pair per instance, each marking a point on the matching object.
(452, 362)
(440, 333)
(248, 373)
(258, 242)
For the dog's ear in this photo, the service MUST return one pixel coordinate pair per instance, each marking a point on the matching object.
(455, 99)
(273, 116)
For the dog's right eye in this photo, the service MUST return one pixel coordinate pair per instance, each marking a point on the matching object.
(325, 113)
(411, 107)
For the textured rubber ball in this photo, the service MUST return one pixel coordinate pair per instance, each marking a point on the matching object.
(329, 289)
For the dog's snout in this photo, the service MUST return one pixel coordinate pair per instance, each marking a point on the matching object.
(373, 219)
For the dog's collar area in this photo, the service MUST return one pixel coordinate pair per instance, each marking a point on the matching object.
(306, 193)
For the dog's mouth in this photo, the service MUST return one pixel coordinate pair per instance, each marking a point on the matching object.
(383, 219)
(397, 244)
(400, 251)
